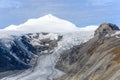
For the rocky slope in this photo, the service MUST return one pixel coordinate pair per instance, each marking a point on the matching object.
(97, 59)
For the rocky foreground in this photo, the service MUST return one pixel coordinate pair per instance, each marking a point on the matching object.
(97, 59)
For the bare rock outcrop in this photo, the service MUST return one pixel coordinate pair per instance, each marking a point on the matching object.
(106, 28)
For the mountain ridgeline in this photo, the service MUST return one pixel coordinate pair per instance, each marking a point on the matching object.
(53, 56)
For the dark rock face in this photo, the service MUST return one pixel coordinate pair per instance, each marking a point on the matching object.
(26, 42)
(22, 51)
(106, 28)
(8, 61)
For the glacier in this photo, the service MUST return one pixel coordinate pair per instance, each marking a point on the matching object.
(44, 68)
(45, 65)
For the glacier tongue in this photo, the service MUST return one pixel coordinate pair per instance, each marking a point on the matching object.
(45, 65)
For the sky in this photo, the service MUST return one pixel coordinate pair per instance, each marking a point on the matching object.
(80, 12)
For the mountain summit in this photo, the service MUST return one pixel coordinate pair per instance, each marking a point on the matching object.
(106, 28)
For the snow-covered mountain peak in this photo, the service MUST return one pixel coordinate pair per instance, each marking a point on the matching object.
(47, 23)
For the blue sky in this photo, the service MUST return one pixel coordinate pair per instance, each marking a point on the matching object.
(79, 12)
